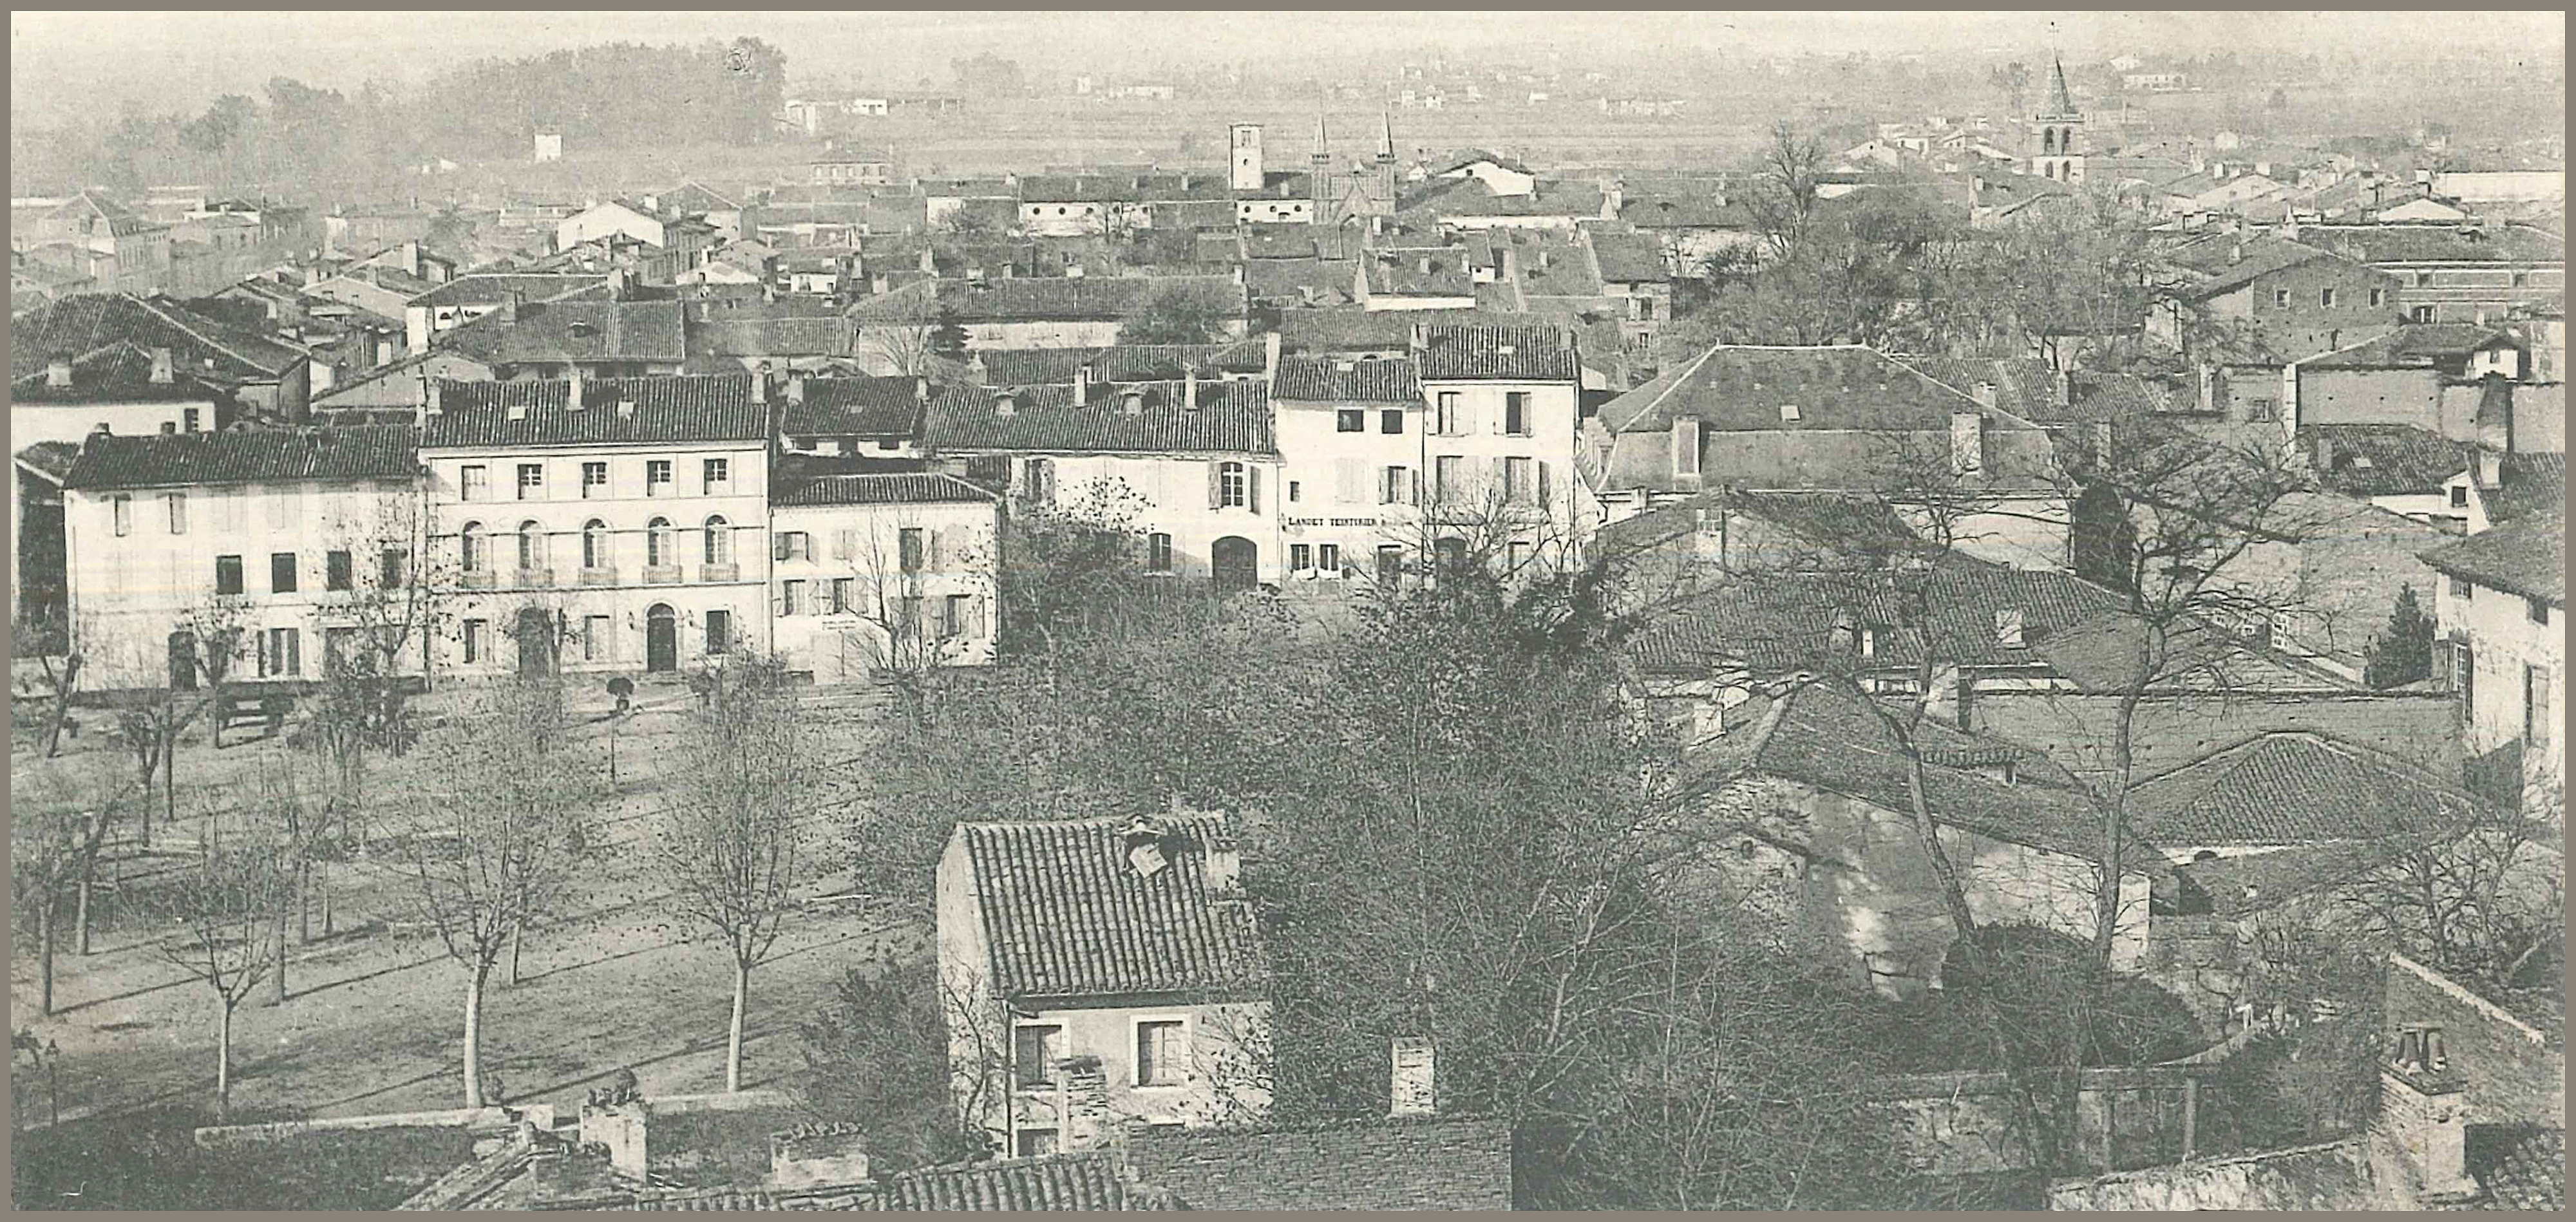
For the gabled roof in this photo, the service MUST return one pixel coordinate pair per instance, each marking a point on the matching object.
(743, 333)
(158, 460)
(878, 488)
(1846, 387)
(207, 348)
(667, 409)
(1470, 197)
(2437, 243)
(1084, 1181)
(2527, 556)
(2382, 459)
(493, 288)
(1550, 264)
(696, 198)
(1067, 915)
(561, 331)
(855, 407)
(2415, 345)
(1233, 417)
(2532, 484)
(118, 373)
(1453, 352)
(1430, 1163)
(51, 460)
(2263, 257)
(1422, 272)
(1035, 299)
(1315, 379)
(1119, 363)
(2293, 788)
(1630, 258)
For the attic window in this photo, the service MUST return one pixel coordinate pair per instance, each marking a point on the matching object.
(1788, 413)
(2008, 628)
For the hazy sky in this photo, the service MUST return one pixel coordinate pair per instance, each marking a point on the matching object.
(180, 60)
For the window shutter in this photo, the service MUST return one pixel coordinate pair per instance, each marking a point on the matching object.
(778, 545)
(1544, 495)
(1413, 486)
(1252, 487)
(1216, 485)
(931, 549)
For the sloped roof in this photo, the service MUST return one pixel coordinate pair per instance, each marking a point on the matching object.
(1066, 915)
(1084, 1181)
(2437, 243)
(1506, 353)
(1471, 197)
(2414, 344)
(1119, 363)
(667, 409)
(1442, 1163)
(769, 335)
(1038, 299)
(1233, 417)
(877, 488)
(2527, 556)
(2533, 484)
(855, 407)
(1630, 258)
(2382, 459)
(158, 460)
(2520, 1168)
(83, 323)
(1843, 387)
(2263, 257)
(1315, 379)
(560, 331)
(118, 373)
(2292, 787)
(1439, 271)
(1551, 264)
(2333, 1175)
(493, 288)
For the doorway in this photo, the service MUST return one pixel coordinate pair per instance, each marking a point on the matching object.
(661, 640)
(1236, 563)
(536, 635)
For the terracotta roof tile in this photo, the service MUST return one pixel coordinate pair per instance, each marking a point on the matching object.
(2533, 484)
(1519, 353)
(855, 407)
(118, 373)
(1311, 379)
(560, 331)
(2527, 556)
(667, 409)
(494, 288)
(2292, 788)
(1122, 363)
(1085, 1181)
(2382, 459)
(1784, 621)
(2437, 243)
(1233, 417)
(1442, 1163)
(86, 322)
(358, 452)
(878, 488)
(1067, 915)
(1033, 299)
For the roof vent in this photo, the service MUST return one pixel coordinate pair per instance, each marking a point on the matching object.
(2008, 628)
(1144, 838)
(1788, 413)
(518, 411)
(1006, 406)
(1133, 403)
(58, 372)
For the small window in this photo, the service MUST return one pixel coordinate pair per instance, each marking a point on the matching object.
(659, 550)
(177, 503)
(912, 549)
(594, 480)
(1398, 488)
(1350, 420)
(124, 509)
(478, 644)
(2326, 298)
(1518, 485)
(719, 548)
(2462, 589)
(474, 483)
(791, 598)
(952, 617)
(2378, 298)
(1158, 553)
(228, 574)
(719, 475)
(1162, 1053)
(719, 631)
(532, 481)
(1296, 491)
(473, 555)
(841, 590)
(532, 546)
(1328, 559)
(1035, 1048)
(1036, 1143)
(594, 545)
(2281, 298)
(393, 567)
(1233, 485)
(2521, 279)
(2539, 610)
(1447, 422)
(1390, 421)
(339, 570)
(1300, 557)
(281, 573)
(598, 640)
(657, 477)
(188, 418)
(1516, 413)
(2459, 496)
(2421, 313)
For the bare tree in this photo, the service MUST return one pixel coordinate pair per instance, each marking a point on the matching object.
(214, 636)
(732, 840)
(61, 816)
(1787, 177)
(55, 641)
(225, 903)
(490, 854)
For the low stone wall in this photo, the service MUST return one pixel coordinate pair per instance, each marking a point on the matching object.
(495, 1119)
(1977, 1122)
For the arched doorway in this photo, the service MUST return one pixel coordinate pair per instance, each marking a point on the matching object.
(536, 633)
(661, 640)
(1235, 562)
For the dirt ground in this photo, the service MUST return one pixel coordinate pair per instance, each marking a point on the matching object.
(373, 1019)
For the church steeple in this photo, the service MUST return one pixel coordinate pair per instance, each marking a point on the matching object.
(1322, 153)
(1385, 137)
(2059, 101)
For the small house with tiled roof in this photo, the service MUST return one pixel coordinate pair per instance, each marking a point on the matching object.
(876, 569)
(2290, 788)
(1107, 975)
(469, 297)
(601, 339)
(2500, 642)
(262, 373)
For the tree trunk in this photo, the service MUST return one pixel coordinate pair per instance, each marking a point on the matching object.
(45, 951)
(304, 901)
(733, 1035)
(224, 1065)
(169, 788)
(80, 925)
(518, 935)
(62, 705)
(277, 993)
(474, 1038)
(324, 886)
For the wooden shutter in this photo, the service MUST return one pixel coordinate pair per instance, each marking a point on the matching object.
(1252, 487)
(1544, 496)
(778, 545)
(930, 543)
(1216, 485)
(1413, 486)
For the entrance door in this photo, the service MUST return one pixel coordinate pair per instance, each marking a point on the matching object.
(536, 635)
(1390, 565)
(1236, 563)
(1449, 557)
(183, 662)
(661, 640)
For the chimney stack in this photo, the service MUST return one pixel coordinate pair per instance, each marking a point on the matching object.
(1967, 442)
(431, 406)
(2425, 1106)
(1984, 394)
(760, 384)
(2062, 388)
(818, 1156)
(1413, 1089)
(795, 385)
(162, 375)
(572, 392)
(1190, 389)
(58, 372)
(920, 389)
(622, 1128)
(2236, 251)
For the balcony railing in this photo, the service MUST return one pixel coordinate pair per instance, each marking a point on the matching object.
(536, 578)
(599, 577)
(477, 579)
(661, 574)
(720, 572)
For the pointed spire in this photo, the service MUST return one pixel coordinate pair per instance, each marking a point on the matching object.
(1385, 136)
(2059, 103)
(1323, 144)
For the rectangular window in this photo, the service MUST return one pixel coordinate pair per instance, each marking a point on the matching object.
(1328, 559)
(2539, 610)
(795, 545)
(339, 570)
(1399, 487)
(952, 617)
(719, 631)
(597, 639)
(907, 615)
(1518, 487)
(2421, 313)
(124, 509)
(338, 645)
(392, 566)
(281, 573)
(1446, 421)
(532, 481)
(474, 483)
(188, 420)
(1350, 420)
(791, 598)
(2462, 589)
(911, 549)
(1517, 556)
(2535, 706)
(1233, 485)
(657, 477)
(228, 574)
(841, 588)
(1162, 1053)
(477, 642)
(1034, 1049)
(594, 480)
(2460, 497)
(1036, 1143)
(1390, 421)
(2326, 298)
(178, 506)
(1516, 413)
(1300, 557)
(2378, 298)
(719, 476)
(1446, 481)
(281, 653)
(1158, 553)
(2281, 298)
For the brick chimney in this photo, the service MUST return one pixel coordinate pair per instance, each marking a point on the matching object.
(1190, 389)
(2424, 1108)
(432, 405)
(795, 385)
(1412, 1090)
(760, 384)
(162, 374)
(572, 391)
(920, 389)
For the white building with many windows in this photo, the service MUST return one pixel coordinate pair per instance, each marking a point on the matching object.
(882, 570)
(600, 526)
(1351, 462)
(1503, 408)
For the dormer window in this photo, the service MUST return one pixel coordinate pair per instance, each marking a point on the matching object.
(1788, 413)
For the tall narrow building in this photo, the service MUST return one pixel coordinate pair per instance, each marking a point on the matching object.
(2056, 143)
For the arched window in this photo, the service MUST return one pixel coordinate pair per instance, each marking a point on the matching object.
(473, 551)
(532, 545)
(594, 544)
(719, 541)
(658, 551)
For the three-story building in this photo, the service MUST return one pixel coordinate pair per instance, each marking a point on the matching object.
(882, 570)
(2500, 622)
(1498, 450)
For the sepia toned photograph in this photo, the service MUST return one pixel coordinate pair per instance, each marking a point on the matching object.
(1501, 610)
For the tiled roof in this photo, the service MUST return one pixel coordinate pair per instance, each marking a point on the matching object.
(2382, 459)
(1442, 1163)
(1550, 264)
(1839, 387)
(2102, 656)
(52, 459)
(767, 335)
(1471, 197)
(562, 331)
(493, 288)
(1630, 258)
(2263, 256)
(1085, 1181)
(2024, 386)
(878, 488)
(2533, 484)
(358, 452)
(2414, 344)
(855, 407)
(1067, 915)
(1823, 736)
(1536, 354)
(118, 373)
(84, 323)
(2437, 243)
(1681, 207)
(2252, 882)
(1122, 363)
(2529, 1172)
(1427, 272)
(667, 409)
(1232, 418)
(2292, 788)
(2527, 556)
(1315, 379)
(1037, 299)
